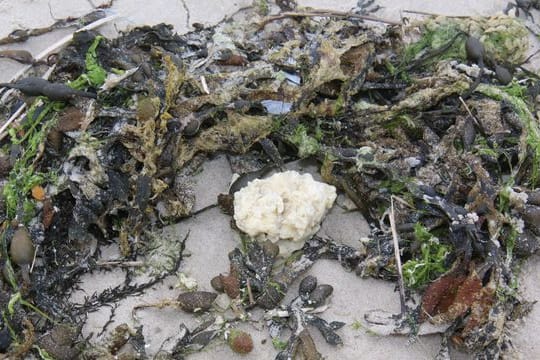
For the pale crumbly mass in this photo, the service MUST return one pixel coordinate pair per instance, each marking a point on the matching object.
(286, 208)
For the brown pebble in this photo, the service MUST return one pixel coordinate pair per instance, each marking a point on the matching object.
(21, 249)
(231, 286)
(233, 60)
(217, 284)
(196, 301)
(192, 126)
(61, 342)
(240, 341)
(148, 108)
(119, 337)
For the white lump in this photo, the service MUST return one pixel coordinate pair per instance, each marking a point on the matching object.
(286, 208)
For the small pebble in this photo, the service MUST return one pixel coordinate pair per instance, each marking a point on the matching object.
(196, 301)
(216, 283)
(21, 249)
(503, 75)
(240, 341)
(38, 192)
(231, 286)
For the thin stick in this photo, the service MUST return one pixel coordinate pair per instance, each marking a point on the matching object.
(158, 305)
(15, 115)
(34, 259)
(250, 294)
(325, 13)
(120, 263)
(397, 255)
(469, 111)
(204, 85)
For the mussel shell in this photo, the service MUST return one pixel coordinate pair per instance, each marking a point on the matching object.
(320, 294)
(307, 285)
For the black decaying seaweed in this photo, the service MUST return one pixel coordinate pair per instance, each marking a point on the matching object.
(298, 315)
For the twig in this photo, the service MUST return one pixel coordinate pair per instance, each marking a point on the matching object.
(12, 118)
(397, 255)
(204, 61)
(402, 201)
(204, 85)
(159, 305)
(34, 259)
(250, 294)
(120, 263)
(325, 13)
(469, 111)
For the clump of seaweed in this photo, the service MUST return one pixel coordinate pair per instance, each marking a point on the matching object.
(421, 270)
(301, 313)
(441, 159)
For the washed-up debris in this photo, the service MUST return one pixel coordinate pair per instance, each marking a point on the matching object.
(21, 35)
(240, 341)
(196, 301)
(433, 136)
(36, 86)
(523, 5)
(21, 251)
(123, 343)
(255, 273)
(21, 56)
(285, 208)
(301, 312)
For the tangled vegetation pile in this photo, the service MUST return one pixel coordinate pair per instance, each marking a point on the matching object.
(438, 155)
